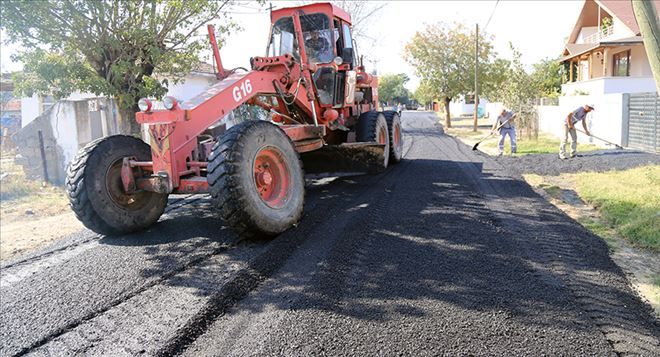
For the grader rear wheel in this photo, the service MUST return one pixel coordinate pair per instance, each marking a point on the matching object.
(372, 127)
(396, 137)
(256, 180)
(96, 193)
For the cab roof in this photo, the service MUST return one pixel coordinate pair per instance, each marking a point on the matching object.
(324, 7)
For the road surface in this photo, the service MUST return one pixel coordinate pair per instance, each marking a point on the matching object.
(445, 253)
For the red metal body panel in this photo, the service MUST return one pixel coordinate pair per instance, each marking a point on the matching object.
(178, 163)
(324, 7)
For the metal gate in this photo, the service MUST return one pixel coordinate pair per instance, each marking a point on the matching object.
(644, 121)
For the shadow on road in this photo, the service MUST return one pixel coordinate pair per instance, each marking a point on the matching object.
(419, 242)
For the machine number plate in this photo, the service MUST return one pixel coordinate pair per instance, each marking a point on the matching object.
(242, 90)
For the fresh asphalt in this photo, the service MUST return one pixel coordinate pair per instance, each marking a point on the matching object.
(445, 253)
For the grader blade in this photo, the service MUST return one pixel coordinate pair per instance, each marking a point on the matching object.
(345, 160)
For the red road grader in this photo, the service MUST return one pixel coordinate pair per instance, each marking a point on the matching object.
(322, 108)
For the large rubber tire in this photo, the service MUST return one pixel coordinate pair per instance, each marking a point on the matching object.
(256, 207)
(396, 135)
(95, 190)
(372, 127)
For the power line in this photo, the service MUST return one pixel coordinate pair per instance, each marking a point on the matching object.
(491, 15)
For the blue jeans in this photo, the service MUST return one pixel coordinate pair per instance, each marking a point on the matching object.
(511, 132)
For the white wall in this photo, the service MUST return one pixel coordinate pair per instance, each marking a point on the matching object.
(458, 108)
(610, 85)
(605, 122)
(620, 30)
(585, 32)
(63, 121)
(639, 62)
(29, 109)
(193, 85)
(493, 110)
(550, 119)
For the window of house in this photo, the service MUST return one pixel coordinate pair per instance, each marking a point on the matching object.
(469, 99)
(621, 62)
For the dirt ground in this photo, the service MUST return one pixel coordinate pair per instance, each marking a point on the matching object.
(28, 224)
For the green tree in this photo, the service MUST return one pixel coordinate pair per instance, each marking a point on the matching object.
(391, 88)
(443, 58)
(547, 77)
(424, 93)
(122, 49)
(518, 91)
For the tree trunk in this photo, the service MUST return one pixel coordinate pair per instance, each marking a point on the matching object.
(127, 123)
(445, 101)
(648, 26)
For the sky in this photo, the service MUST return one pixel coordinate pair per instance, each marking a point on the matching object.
(537, 28)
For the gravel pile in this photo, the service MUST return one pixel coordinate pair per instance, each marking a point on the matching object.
(599, 161)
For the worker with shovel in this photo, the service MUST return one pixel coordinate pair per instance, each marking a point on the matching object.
(572, 118)
(504, 124)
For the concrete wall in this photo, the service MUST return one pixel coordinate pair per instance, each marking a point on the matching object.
(30, 109)
(458, 108)
(605, 122)
(66, 127)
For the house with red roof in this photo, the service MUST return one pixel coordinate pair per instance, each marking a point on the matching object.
(606, 65)
(605, 53)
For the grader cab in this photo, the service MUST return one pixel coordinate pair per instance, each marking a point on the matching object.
(322, 110)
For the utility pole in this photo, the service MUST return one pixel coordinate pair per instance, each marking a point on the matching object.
(476, 76)
(648, 26)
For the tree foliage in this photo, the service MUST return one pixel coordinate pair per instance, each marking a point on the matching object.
(424, 93)
(547, 77)
(443, 57)
(122, 49)
(363, 12)
(518, 91)
(391, 88)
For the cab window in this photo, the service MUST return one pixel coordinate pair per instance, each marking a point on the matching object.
(282, 40)
(318, 38)
(324, 79)
(348, 42)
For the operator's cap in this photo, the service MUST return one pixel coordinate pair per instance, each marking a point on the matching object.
(591, 106)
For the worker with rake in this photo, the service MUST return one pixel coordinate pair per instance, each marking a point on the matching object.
(504, 124)
(572, 118)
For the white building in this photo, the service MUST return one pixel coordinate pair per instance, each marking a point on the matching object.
(194, 83)
(607, 66)
(69, 124)
(605, 53)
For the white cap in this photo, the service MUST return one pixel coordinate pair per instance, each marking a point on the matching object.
(591, 106)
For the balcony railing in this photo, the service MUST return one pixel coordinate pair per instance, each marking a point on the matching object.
(603, 33)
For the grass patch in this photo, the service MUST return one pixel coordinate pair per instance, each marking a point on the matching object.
(656, 280)
(545, 144)
(628, 200)
(552, 190)
(600, 229)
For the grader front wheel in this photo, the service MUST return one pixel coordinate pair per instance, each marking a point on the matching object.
(96, 193)
(256, 180)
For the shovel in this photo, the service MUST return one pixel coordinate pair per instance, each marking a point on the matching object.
(492, 132)
(601, 139)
